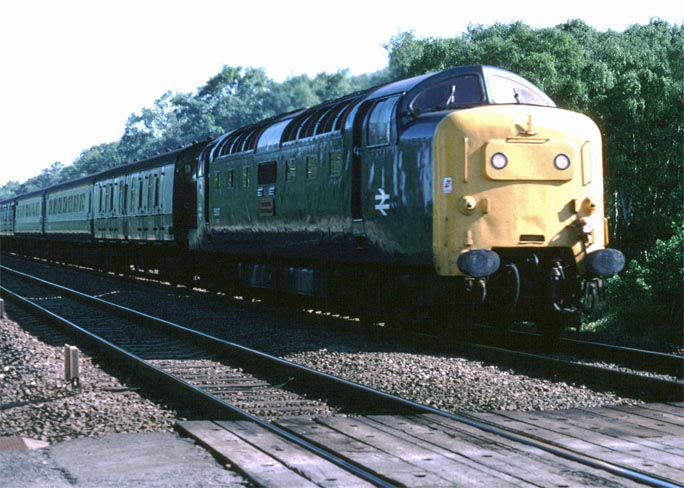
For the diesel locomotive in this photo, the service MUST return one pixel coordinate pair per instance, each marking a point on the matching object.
(453, 196)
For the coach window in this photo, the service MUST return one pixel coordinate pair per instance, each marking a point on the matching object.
(134, 188)
(140, 194)
(150, 193)
(379, 122)
(108, 191)
(156, 190)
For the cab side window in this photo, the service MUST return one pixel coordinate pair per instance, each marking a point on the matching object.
(379, 122)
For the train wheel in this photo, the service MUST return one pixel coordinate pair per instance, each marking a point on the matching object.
(503, 294)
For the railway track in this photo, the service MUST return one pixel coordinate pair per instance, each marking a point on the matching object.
(650, 375)
(647, 374)
(648, 361)
(193, 366)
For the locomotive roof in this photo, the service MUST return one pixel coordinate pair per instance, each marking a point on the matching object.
(330, 115)
(326, 117)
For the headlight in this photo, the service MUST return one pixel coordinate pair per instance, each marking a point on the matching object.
(562, 162)
(499, 161)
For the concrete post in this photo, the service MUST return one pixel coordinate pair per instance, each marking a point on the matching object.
(71, 365)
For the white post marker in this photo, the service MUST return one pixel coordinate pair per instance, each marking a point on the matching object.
(71, 365)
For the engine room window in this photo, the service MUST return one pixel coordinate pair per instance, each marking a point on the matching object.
(267, 173)
(246, 180)
(311, 167)
(217, 180)
(290, 170)
(230, 179)
(335, 164)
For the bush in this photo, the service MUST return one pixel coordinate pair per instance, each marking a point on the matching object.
(646, 299)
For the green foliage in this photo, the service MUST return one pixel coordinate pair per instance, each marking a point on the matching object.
(647, 297)
(47, 177)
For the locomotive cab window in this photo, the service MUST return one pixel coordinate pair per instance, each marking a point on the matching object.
(506, 90)
(380, 122)
(462, 91)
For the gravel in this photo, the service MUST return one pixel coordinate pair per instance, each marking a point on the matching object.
(36, 401)
(453, 383)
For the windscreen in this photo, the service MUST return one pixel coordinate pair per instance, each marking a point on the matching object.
(503, 89)
(461, 91)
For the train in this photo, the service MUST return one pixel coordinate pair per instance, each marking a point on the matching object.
(453, 197)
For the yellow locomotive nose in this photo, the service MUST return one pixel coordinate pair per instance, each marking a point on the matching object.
(513, 190)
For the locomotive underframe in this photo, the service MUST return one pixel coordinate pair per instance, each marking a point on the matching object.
(538, 285)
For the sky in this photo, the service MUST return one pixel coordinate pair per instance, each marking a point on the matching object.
(73, 71)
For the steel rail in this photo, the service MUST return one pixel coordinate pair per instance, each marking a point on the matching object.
(671, 364)
(400, 403)
(217, 406)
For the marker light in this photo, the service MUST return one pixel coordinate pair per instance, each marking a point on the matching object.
(604, 262)
(478, 263)
(499, 161)
(562, 162)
